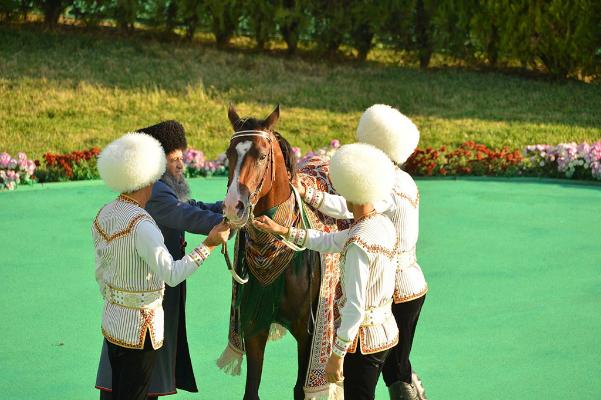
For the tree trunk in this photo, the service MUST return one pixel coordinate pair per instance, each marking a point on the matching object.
(422, 27)
(191, 28)
(364, 43)
(52, 11)
(492, 47)
(290, 35)
(222, 38)
(171, 20)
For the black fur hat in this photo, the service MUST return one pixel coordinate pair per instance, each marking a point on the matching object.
(170, 134)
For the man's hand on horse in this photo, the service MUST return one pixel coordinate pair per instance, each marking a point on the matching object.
(334, 369)
(266, 224)
(300, 188)
(218, 235)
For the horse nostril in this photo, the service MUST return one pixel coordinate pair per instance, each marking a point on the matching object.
(240, 206)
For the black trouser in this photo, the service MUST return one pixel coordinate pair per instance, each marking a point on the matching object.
(132, 370)
(361, 374)
(397, 366)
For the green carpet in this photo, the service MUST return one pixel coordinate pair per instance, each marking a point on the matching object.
(514, 269)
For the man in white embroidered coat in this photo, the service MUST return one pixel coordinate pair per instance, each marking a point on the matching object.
(174, 213)
(133, 264)
(366, 329)
(395, 134)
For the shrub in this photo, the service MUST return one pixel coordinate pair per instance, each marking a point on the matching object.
(367, 18)
(52, 9)
(332, 24)
(562, 34)
(191, 13)
(292, 21)
(91, 12)
(225, 16)
(74, 166)
(261, 15)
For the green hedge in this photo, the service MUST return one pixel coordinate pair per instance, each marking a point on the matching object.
(562, 37)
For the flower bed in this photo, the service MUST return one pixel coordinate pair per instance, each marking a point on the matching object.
(468, 159)
(197, 165)
(15, 171)
(74, 166)
(566, 160)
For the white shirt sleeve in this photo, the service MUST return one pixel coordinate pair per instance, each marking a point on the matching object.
(335, 206)
(385, 205)
(324, 242)
(99, 273)
(354, 286)
(150, 245)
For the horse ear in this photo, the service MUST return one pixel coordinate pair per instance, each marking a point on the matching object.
(233, 115)
(273, 118)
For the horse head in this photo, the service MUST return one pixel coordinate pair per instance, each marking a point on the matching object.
(260, 167)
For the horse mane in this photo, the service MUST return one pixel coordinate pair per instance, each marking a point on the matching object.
(289, 156)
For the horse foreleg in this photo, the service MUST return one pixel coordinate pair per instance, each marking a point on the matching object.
(303, 348)
(255, 351)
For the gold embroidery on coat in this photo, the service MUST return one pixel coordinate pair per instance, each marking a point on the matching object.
(411, 201)
(109, 238)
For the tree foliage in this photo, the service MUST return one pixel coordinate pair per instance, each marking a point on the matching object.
(561, 36)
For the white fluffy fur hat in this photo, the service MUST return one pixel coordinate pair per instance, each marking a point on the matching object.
(131, 162)
(361, 173)
(389, 130)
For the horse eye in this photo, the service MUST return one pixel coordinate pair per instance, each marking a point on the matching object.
(262, 157)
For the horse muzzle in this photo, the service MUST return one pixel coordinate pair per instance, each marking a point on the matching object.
(236, 206)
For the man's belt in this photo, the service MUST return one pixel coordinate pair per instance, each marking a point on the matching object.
(406, 259)
(377, 315)
(137, 300)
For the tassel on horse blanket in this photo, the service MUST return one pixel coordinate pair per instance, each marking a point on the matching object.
(230, 361)
(276, 332)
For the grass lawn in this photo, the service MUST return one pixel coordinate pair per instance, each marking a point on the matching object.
(67, 91)
(512, 311)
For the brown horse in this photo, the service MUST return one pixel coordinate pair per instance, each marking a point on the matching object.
(261, 165)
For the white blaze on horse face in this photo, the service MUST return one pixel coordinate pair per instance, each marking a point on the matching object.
(233, 195)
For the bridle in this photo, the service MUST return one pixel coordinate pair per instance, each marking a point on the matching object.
(254, 197)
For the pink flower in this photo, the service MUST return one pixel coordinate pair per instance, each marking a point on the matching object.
(30, 167)
(335, 144)
(4, 160)
(23, 164)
